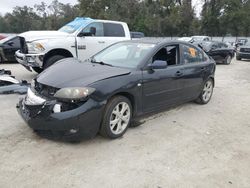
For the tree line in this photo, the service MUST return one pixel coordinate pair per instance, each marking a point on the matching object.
(153, 17)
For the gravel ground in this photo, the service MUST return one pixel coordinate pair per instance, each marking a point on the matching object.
(188, 146)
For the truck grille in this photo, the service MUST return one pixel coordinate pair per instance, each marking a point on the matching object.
(24, 47)
(246, 50)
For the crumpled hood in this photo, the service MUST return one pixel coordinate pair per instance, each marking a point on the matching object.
(40, 35)
(71, 72)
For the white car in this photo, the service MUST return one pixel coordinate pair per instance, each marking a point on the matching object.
(80, 38)
(200, 38)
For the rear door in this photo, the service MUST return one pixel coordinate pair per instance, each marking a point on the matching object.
(163, 87)
(113, 32)
(195, 68)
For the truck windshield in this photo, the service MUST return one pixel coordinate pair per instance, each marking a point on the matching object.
(75, 25)
(124, 54)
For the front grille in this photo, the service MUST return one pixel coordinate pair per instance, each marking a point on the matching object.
(246, 50)
(24, 47)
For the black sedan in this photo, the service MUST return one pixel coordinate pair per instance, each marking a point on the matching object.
(8, 47)
(120, 83)
(219, 51)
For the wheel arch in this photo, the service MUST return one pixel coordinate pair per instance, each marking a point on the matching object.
(130, 97)
(58, 51)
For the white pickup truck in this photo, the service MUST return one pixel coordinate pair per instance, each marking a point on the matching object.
(80, 38)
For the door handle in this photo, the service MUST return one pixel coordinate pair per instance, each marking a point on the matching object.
(101, 42)
(178, 73)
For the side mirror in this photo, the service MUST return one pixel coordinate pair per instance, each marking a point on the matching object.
(158, 64)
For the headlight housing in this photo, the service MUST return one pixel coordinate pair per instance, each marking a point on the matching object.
(35, 47)
(74, 93)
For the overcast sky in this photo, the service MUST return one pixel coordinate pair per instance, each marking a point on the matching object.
(8, 5)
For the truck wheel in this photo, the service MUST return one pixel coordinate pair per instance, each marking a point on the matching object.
(238, 58)
(51, 60)
(37, 69)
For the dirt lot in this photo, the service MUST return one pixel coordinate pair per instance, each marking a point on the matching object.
(189, 146)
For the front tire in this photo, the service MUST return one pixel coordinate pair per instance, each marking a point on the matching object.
(51, 60)
(206, 93)
(117, 117)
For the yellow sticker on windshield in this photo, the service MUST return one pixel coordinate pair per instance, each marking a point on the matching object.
(192, 52)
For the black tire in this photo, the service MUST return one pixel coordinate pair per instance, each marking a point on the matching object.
(51, 60)
(37, 69)
(202, 99)
(105, 129)
(228, 60)
(238, 58)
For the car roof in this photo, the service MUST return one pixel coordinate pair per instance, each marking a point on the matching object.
(156, 41)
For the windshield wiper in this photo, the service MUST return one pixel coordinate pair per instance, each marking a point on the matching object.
(100, 62)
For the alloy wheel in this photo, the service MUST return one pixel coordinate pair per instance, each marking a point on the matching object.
(120, 118)
(207, 91)
(229, 59)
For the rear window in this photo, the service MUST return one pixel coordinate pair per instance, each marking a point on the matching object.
(113, 30)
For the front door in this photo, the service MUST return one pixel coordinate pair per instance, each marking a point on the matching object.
(163, 87)
(92, 42)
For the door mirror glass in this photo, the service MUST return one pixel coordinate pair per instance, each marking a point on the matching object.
(158, 64)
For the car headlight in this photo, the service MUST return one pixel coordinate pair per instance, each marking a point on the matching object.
(74, 93)
(35, 46)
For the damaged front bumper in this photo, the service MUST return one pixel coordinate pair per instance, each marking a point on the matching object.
(29, 60)
(45, 117)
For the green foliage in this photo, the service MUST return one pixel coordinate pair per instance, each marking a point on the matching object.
(153, 17)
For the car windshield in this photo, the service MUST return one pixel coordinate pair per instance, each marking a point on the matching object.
(247, 44)
(127, 55)
(75, 25)
(206, 46)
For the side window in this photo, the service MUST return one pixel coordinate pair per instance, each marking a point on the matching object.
(95, 28)
(169, 54)
(192, 55)
(113, 30)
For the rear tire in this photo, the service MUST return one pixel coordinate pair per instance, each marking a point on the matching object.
(117, 117)
(51, 60)
(37, 69)
(206, 93)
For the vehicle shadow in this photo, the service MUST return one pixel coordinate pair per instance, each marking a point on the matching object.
(135, 124)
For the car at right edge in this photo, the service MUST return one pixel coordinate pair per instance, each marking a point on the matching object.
(243, 52)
